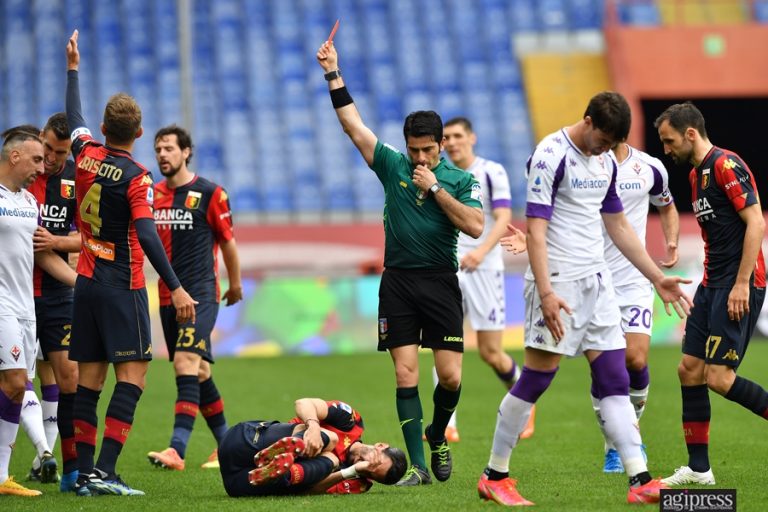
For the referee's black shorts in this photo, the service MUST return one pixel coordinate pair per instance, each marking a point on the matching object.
(420, 307)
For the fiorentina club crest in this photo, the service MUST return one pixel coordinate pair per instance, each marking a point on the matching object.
(637, 168)
(193, 200)
(15, 352)
(68, 189)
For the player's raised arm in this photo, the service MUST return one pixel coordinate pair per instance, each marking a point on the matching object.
(349, 117)
(74, 109)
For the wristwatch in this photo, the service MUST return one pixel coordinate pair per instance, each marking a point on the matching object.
(332, 75)
(435, 188)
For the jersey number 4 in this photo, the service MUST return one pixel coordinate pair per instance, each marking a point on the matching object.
(89, 209)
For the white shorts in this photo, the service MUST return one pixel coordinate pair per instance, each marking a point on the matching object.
(636, 303)
(18, 344)
(595, 322)
(483, 299)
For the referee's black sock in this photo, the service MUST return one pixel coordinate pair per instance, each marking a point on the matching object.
(445, 404)
(750, 395)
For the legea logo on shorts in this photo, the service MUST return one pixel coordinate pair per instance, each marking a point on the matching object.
(697, 500)
(453, 338)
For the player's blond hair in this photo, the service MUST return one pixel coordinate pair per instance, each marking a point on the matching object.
(122, 119)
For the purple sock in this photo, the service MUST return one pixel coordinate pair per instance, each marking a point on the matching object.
(5, 402)
(609, 374)
(532, 384)
(29, 386)
(508, 376)
(639, 379)
(9, 410)
(50, 393)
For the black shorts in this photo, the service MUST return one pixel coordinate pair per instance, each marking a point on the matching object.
(189, 337)
(109, 324)
(709, 333)
(418, 307)
(236, 452)
(54, 323)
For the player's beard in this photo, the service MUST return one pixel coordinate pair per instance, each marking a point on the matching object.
(173, 171)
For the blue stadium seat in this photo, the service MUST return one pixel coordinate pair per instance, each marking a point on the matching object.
(523, 16)
(552, 15)
(641, 13)
(761, 11)
(49, 34)
(585, 14)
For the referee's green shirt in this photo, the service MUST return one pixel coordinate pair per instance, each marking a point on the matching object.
(418, 234)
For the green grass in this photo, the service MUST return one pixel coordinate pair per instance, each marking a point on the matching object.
(560, 468)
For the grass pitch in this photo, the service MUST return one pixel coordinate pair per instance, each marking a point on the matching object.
(559, 468)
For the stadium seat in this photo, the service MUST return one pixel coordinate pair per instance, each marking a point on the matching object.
(640, 14)
(761, 11)
(522, 16)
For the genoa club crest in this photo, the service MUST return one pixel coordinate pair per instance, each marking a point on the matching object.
(193, 200)
(704, 179)
(68, 189)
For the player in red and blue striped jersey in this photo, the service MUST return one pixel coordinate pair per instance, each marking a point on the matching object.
(728, 301)
(193, 219)
(320, 450)
(110, 322)
(55, 194)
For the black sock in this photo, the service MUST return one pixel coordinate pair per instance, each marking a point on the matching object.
(85, 423)
(492, 474)
(445, 404)
(185, 411)
(750, 395)
(640, 479)
(308, 472)
(696, 415)
(64, 420)
(212, 407)
(118, 424)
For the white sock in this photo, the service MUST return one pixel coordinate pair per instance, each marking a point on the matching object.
(8, 432)
(510, 421)
(50, 411)
(607, 444)
(639, 397)
(435, 380)
(621, 427)
(32, 422)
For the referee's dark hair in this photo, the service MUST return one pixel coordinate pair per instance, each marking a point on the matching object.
(423, 123)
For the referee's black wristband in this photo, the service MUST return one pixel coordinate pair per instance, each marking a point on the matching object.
(340, 97)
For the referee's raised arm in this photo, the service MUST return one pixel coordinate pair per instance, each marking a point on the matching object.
(349, 117)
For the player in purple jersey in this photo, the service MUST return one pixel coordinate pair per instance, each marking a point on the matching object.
(21, 161)
(570, 306)
(193, 220)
